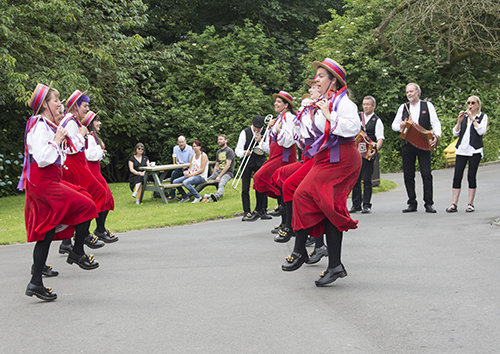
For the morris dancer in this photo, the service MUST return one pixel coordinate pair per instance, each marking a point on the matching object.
(94, 152)
(321, 198)
(282, 150)
(54, 209)
(76, 170)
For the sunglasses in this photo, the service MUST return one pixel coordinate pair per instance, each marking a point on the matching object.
(140, 148)
(471, 102)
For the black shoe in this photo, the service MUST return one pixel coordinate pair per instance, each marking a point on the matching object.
(366, 211)
(330, 275)
(40, 292)
(84, 261)
(65, 248)
(106, 236)
(93, 242)
(251, 216)
(265, 216)
(47, 271)
(354, 210)
(310, 240)
(294, 262)
(277, 229)
(411, 208)
(316, 255)
(278, 211)
(214, 197)
(284, 235)
(430, 209)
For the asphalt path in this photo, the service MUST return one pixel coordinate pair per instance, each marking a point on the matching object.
(417, 283)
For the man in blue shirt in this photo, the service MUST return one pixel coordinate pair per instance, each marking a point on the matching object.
(182, 154)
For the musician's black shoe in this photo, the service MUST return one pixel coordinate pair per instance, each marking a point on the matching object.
(284, 235)
(411, 208)
(294, 261)
(366, 210)
(278, 211)
(316, 255)
(330, 275)
(47, 271)
(84, 261)
(251, 216)
(106, 236)
(430, 209)
(277, 229)
(40, 292)
(93, 242)
(354, 210)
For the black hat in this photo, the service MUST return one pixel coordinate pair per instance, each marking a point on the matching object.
(258, 121)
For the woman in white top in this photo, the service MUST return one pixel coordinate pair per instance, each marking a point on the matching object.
(470, 128)
(196, 174)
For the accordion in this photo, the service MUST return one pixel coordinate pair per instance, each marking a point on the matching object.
(365, 144)
(417, 136)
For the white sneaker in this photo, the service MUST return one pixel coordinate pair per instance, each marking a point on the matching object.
(137, 202)
(134, 195)
(196, 200)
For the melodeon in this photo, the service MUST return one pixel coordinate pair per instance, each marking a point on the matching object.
(417, 136)
(365, 144)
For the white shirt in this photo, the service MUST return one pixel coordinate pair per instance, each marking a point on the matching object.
(94, 151)
(465, 148)
(242, 139)
(379, 127)
(415, 115)
(41, 145)
(344, 122)
(285, 137)
(73, 133)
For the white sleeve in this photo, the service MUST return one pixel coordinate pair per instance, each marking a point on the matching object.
(286, 138)
(240, 146)
(76, 138)
(379, 130)
(435, 123)
(481, 129)
(345, 122)
(396, 123)
(94, 151)
(41, 145)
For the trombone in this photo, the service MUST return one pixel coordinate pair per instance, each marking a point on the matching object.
(255, 148)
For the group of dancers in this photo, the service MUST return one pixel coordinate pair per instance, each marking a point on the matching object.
(64, 186)
(313, 192)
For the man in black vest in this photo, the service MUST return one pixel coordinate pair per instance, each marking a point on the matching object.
(372, 125)
(424, 114)
(254, 163)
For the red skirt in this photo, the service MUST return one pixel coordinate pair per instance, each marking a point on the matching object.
(262, 181)
(51, 201)
(281, 174)
(77, 172)
(95, 169)
(323, 192)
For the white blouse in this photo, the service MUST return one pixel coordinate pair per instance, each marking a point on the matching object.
(73, 133)
(41, 145)
(344, 122)
(94, 151)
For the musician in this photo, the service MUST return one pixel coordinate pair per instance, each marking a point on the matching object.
(282, 149)
(255, 162)
(321, 198)
(76, 170)
(372, 125)
(470, 129)
(424, 114)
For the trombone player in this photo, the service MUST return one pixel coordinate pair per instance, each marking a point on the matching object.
(252, 136)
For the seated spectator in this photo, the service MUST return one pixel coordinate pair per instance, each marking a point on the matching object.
(223, 170)
(196, 174)
(136, 176)
(181, 155)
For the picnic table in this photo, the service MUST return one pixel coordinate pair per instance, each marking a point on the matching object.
(159, 173)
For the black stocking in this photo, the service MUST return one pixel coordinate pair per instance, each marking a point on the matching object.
(40, 254)
(81, 231)
(300, 241)
(101, 221)
(289, 212)
(334, 242)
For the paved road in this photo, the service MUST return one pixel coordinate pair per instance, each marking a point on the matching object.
(418, 283)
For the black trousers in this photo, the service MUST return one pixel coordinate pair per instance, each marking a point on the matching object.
(246, 178)
(460, 163)
(410, 154)
(365, 175)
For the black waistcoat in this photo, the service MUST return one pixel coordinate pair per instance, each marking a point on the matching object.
(255, 160)
(425, 118)
(370, 127)
(476, 140)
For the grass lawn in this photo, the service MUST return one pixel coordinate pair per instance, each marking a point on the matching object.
(152, 213)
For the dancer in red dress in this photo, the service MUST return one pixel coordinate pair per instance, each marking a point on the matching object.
(76, 170)
(321, 197)
(94, 152)
(54, 209)
(282, 150)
